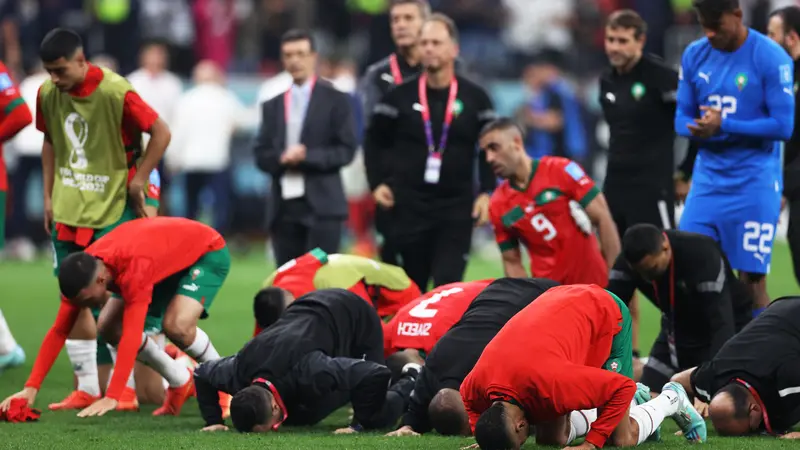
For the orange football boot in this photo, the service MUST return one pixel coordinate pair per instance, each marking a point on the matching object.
(176, 397)
(128, 400)
(75, 400)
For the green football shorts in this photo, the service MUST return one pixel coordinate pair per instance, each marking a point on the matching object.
(621, 358)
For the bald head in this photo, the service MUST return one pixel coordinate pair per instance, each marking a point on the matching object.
(734, 411)
(447, 413)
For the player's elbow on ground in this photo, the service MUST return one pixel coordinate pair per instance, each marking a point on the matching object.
(251, 411)
(269, 304)
(447, 414)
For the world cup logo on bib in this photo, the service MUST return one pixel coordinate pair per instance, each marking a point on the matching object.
(77, 130)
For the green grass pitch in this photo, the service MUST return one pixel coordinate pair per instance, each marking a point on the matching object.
(29, 302)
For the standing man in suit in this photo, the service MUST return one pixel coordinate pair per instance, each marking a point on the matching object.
(306, 136)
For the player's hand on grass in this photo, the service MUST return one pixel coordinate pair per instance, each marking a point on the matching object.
(136, 194)
(470, 446)
(217, 427)
(480, 210)
(792, 435)
(405, 430)
(384, 196)
(346, 430)
(99, 408)
(28, 394)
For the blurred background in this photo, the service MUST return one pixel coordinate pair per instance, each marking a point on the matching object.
(518, 49)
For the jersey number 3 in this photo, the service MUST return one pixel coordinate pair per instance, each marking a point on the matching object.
(422, 311)
(542, 224)
(726, 104)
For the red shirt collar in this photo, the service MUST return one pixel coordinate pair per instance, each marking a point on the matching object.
(94, 75)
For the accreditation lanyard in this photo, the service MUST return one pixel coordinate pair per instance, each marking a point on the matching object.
(757, 397)
(277, 396)
(673, 353)
(287, 97)
(394, 66)
(426, 114)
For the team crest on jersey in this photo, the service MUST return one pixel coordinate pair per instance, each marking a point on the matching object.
(638, 91)
(197, 273)
(741, 81)
(615, 366)
(458, 107)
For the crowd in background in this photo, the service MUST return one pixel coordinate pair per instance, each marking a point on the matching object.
(204, 65)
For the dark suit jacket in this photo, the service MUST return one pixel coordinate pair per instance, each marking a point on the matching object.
(330, 139)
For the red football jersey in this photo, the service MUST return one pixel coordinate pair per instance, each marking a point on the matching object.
(539, 217)
(421, 323)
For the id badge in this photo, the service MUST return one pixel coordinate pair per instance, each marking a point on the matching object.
(673, 352)
(433, 168)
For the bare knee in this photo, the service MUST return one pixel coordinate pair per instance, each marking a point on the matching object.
(180, 328)
(149, 385)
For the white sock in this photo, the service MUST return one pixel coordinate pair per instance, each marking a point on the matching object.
(650, 415)
(7, 342)
(82, 355)
(161, 342)
(158, 360)
(202, 350)
(580, 422)
(131, 380)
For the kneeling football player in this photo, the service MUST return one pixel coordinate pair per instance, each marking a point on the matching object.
(570, 350)
(385, 286)
(164, 267)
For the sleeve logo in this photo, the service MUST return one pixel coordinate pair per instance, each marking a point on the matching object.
(5, 82)
(786, 73)
(575, 171)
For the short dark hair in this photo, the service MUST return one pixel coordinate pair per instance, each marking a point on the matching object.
(447, 417)
(250, 407)
(790, 16)
(712, 10)
(448, 23)
(59, 43)
(741, 399)
(491, 431)
(628, 19)
(423, 5)
(641, 240)
(297, 34)
(501, 124)
(268, 306)
(75, 273)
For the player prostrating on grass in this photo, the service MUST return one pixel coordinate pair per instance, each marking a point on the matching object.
(544, 204)
(570, 350)
(752, 382)
(736, 100)
(435, 402)
(326, 351)
(14, 116)
(94, 176)
(162, 266)
(385, 286)
(419, 324)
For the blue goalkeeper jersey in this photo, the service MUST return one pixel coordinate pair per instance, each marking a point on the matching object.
(753, 87)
